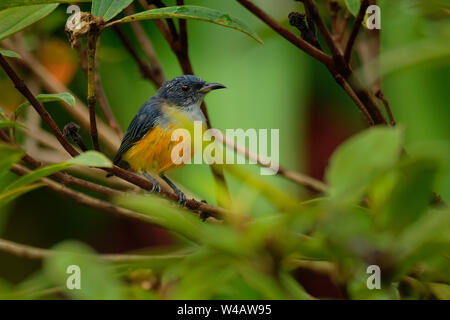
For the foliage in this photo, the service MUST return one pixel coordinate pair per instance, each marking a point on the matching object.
(395, 228)
(380, 207)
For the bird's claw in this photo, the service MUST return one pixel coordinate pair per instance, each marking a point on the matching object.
(181, 197)
(156, 188)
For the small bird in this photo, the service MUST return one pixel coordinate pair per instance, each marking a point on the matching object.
(147, 145)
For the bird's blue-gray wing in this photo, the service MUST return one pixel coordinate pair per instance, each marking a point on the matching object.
(144, 121)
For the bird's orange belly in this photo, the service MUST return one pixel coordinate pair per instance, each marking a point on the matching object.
(154, 151)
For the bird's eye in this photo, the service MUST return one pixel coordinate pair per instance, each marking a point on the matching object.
(185, 88)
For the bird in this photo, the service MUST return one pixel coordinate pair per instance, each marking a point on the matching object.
(147, 144)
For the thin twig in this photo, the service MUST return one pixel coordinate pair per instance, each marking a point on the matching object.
(170, 23)
(347, 88)
(86, 200)
(299, 178)
(298, 42)
(147, 48)
(103, 101)
(30, 252)
(66, 178)
(91, 96)
(313, 12)
(23, 89)
(355, 30)
(341, 34)
(336, 66)
(80, 112)
(145, 69)
(162, 27)
(183, 28)
(379, 94)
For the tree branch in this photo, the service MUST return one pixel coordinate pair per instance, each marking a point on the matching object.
(145, 69)
(80, 112)
(298, 42)
(299, 178)
(313, 12)
(30, 252)
(147, 48)
(23, 89)
(355, 30)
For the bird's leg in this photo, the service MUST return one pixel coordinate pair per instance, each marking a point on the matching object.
(156, 186)
(181, 195)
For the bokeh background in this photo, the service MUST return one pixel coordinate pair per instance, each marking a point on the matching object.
(269, 86)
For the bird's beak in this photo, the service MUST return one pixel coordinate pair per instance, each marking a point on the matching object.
(207, 87)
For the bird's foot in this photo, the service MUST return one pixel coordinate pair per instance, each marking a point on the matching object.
(181, 197)
(156, 188)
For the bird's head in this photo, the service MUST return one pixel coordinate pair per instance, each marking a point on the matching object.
(187, 91)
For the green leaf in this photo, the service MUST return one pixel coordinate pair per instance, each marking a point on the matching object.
(89, 158)
(13, 20)
(6, 124)
(411, 194)
(165, 214)
(353, 6)
(195, 13)
(97, 280)
(8, 156)
(440, 290)
(10, 53)
(360, 159)
(43, 97)
(10, 195)
(108, 9)
(19, 3)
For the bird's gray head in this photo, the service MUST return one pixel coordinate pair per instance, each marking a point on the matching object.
(186, 91)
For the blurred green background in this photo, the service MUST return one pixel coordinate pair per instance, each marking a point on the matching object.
(269, 86)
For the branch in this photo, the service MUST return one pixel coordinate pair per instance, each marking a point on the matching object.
(102, 101)
(335, 65)
(23, 89)
(298, 42)
(147, 48)
(91, 97)
(162, 27)
(183, 28)
(355, 30)
(29, 252)
(299, 178)
(86, 200)
(313, 12)
(80, 112)
(349, 90)
(379, 94)
(65, 178)
(169, 21)
(145, 69)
